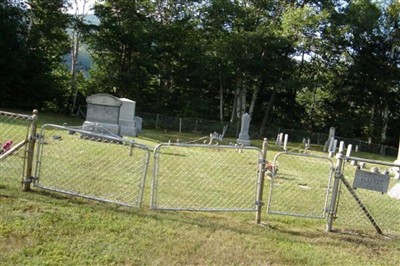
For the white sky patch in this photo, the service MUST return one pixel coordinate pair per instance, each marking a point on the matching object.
(82, 6)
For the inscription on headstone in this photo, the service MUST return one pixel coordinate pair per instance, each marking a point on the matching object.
(371, 181)
(103, 111)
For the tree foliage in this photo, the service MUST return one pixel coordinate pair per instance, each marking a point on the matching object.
(297, 63)
(33, 42)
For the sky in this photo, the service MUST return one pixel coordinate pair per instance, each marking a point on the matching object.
(88, 6)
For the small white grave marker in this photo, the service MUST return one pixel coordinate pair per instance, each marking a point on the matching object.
(394, 192)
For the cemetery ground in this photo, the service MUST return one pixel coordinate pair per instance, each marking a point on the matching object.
(48, 228)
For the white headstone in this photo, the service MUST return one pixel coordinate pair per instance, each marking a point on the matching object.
(115, 115)
(341, 147)
(280, 139)
(285, 142)
(126, 118)
(244, 137)
(348, 151)
(138, 124)
(103, 111)
(397, 175)
(329, 142)
(334, 145)
(394, 192)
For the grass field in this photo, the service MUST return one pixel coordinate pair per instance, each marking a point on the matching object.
(48, 228)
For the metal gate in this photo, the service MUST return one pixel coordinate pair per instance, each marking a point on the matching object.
(14, 137)
(205, 177)
(300, 185)
(368, 196)
(94, 166)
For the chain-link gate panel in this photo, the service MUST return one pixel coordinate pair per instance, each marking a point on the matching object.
(14, 130)
(205, 177)
(360, 208)
(94, 166)
(300, 185)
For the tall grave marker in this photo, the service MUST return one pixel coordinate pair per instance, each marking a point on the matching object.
(102, 110)
(244, 137)
(109, 114)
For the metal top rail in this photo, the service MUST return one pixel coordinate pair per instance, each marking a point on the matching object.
(358, 159)
(28, 117)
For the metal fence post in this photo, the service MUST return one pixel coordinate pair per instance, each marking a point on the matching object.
(335, 190)
(260, 188)
(30, 151)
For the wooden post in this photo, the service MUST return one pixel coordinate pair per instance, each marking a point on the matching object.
(30, 152)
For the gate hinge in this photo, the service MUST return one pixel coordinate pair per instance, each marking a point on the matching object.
(331, 213)
(338, 175)
(29, 180)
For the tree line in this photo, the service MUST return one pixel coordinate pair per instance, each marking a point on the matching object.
(291, 63)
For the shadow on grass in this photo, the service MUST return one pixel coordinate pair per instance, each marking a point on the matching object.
(208, 220)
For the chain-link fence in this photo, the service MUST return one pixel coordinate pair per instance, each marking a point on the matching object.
(204, 126)
(205, 177)
(189, 124)
(201, 177)
(94, 166)
(14, 132)
(372, 207)
(300, 184)
(368, 147)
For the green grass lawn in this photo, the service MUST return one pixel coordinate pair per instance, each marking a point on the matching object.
(49, 228)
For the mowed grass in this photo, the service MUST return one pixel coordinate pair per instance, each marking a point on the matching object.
(78, 164)
(48, 228)
(207, 178)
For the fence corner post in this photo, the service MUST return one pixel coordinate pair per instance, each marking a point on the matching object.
(260, 187)
(29, 153)
(335, 190)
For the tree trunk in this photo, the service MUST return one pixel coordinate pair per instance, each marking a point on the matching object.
(244, 101)
(76, 38)
(74, 63)
(385, 122)
(221, 98)
(237, 100)
(254, 99)
(371, 129)
(266, 115)
(241, 97)
(233, 114)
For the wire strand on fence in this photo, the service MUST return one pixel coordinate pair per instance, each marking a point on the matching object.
(205, 177)
(90, 165)
(13, 137)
